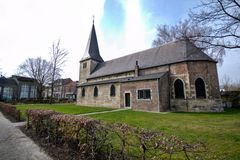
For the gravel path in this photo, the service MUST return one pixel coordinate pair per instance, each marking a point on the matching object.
(14, 145)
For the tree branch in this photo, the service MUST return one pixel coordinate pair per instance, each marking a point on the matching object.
(228, 14)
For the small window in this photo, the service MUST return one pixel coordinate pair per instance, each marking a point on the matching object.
(83, 92)
(85, 65)
(144, 94)
(179, 89)
(112, 91)
(200, 88)
(95, 93)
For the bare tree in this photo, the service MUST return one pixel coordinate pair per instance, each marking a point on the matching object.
(58, 58)
(38, 69)
(223, 16)
(229, 84)
(186, 30)
(226, 82)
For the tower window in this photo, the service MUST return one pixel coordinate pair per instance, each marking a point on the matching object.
(85, 65)
(83, 92)
(95, 92)
(112, 91)
(178, 89)
(200, 88)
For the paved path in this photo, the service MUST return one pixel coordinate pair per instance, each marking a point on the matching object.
(14, 145)
(116, 110)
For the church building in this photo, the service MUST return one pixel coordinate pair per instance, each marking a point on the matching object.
(176, 76)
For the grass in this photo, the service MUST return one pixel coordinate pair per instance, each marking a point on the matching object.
(63, 108)
(219, 131)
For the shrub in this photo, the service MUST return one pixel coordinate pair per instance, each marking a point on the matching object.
(10, 110)
(97, 140)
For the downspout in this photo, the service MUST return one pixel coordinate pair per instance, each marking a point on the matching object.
(158, 93)
(169, 88)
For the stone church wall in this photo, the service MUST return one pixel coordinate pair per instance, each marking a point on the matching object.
(111, 77)
(103, 99)
(164, 95)
(153, 70)
(188, 72)
(208, 72)
(179, 71)
(196, 105)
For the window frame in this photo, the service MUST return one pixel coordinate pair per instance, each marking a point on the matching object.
(197, 91)
(145, 97)
(83, 92)
(95, 91)
(24, 92)
(183, 89)
(84, 65)
(112, 91)
(7, 93)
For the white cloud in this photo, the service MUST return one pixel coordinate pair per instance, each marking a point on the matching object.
(135, 36)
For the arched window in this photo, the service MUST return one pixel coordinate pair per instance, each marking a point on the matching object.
(95, 93)
(83, 92)
(200, 88)
(178, 88)
(112, 90)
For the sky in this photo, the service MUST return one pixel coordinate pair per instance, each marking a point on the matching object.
(29, 27)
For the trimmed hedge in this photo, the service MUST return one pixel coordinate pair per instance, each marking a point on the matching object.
(97, 140)
(10, 110)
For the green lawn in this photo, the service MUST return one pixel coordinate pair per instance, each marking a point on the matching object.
(63, 108)
(219, 131)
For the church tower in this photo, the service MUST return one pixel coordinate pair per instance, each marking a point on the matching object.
(90, 58)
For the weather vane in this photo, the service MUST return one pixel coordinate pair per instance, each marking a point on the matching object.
(93, 19)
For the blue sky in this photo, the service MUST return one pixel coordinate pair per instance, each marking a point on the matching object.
(28, 28)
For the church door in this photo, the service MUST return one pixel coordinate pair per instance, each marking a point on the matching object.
(127, 100)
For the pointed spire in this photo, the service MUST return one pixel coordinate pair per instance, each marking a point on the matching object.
(92, 50)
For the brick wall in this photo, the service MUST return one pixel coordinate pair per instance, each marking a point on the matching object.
(140, 104)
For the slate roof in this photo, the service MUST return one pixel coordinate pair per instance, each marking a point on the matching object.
(128, 79)
(170, 53)
(92, 50)
(23, 79)
(7, 81)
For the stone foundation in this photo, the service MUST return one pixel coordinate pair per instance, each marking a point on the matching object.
(196, 105)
